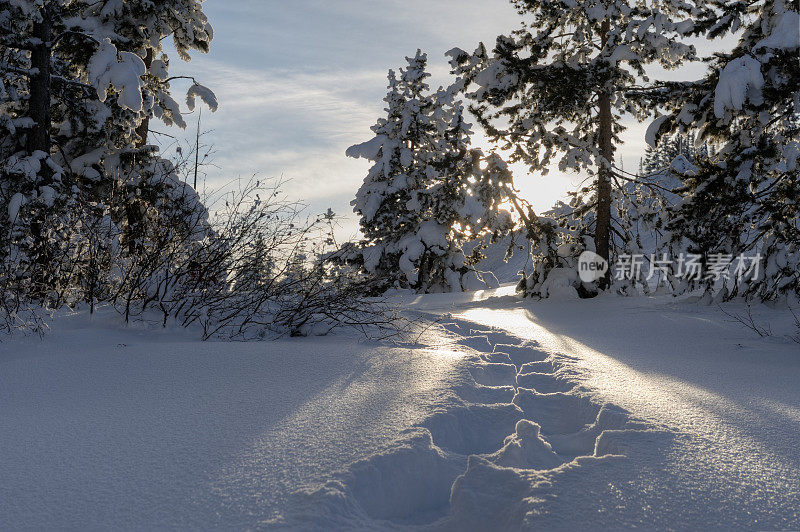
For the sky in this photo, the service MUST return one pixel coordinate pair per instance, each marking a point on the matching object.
(299, 81)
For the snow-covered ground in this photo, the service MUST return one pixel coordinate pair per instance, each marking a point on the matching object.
(614, 412)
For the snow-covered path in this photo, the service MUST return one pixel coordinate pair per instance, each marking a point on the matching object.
(729, 404)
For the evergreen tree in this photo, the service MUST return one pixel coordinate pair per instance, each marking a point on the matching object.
(659, 159)
(77, 84)
(418, 203)
(743, 200)
(558, 84)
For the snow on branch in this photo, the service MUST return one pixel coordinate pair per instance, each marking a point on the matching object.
(121, 70)
(204, 93)
(651, 137)
(739, 81)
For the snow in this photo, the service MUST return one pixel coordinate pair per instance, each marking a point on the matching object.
(726, 401)
(367, 150)
(739, 81)
(47, 195)
(685, 27)
(507, 414)
(683, 166)
(14, 205)
(433, 234)
(785, 33)
(495, 77)
(122, 70)
(651, 137)
(622, 53)
(205, 94)
(159, 69)
(141, 428)
(167, 103)
(560, 284)
(372, 257)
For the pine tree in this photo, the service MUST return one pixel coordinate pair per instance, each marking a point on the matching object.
(558, 84)
(75, 89)
(417, 204)
(744, 199)
(659, 159)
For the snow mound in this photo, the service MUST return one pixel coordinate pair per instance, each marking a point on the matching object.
(526, 449)
(560, 284)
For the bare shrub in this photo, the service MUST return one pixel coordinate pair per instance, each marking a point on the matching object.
(249, 270)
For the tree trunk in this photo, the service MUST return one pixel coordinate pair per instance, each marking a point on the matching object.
(134, 209)
(38, 140)
(39, 104)
(602, 237)
(144, 127)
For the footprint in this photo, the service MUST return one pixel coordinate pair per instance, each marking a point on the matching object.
(473, 429)
(521, 354)
(629, 441)
(494, 336)
(557, 413)
(542, 366)
(478, 343)
(545, 382)
(583, 442)
(488, 497)
(497, 358)
(494, 374)
(411, 480)
(408, 484)
(478, 393)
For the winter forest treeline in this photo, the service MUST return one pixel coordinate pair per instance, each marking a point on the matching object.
(95, 215)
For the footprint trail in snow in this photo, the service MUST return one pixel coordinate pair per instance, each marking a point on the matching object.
(485, 461)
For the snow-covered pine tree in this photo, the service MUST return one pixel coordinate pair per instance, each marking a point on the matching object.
(140, 27)
(744, 200)
(558, 84)
(418, 203)
(75, 88)
(494, 190)
(659, 159)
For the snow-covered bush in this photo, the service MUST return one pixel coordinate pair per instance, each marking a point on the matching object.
(425, 195)
(555, 251)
